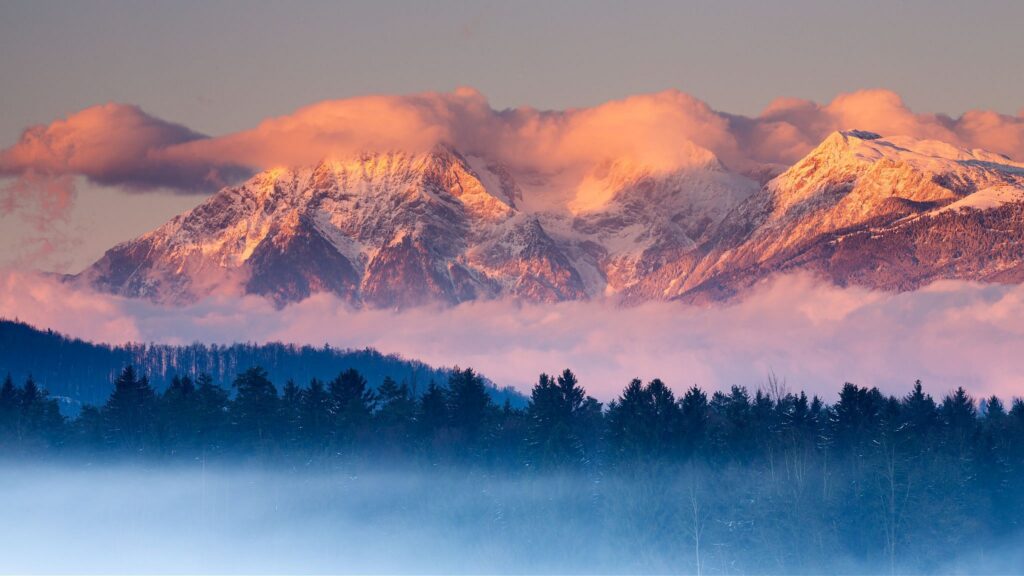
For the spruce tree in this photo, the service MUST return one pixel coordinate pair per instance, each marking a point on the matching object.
(665, 417)
(178, 414)
(396, 414)
(291, 410)
(856, 419)
(255, 410)
(960, 420)
(693, 422)
(129, 413)
(920, 418)
(556, 420)
(316, 416)
(432, 417)
(734, 433)
(211, 414)
(630, 421)
(8, 409)
(469, 408)
(353, 403)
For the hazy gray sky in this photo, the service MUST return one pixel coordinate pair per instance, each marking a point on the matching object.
(223, 66)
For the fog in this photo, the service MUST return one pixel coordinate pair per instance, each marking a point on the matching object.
(186, 518)
(190, 518)
(813, 335)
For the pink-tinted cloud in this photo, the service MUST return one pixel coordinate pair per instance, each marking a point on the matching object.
(45, 301)
(814, 335)
(112, 144)
(661, 130)
(340, 127)
(121, 145)
(788, 128)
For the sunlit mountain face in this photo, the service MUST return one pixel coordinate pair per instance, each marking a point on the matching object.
(395, 201)
(398, 229)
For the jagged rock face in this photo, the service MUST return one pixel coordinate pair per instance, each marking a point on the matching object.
(294, 262)
(892, 213)
(401, 230)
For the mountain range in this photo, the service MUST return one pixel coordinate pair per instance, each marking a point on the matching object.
(402, 229)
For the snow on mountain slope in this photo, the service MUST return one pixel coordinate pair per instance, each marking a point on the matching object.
(646, 219)
(858, 183)
(397, 230)
(987, 199)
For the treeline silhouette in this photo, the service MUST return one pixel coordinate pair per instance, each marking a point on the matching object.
(560, 426)
(902, 482)
(84, 372)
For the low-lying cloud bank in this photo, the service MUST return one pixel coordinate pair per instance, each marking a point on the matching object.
(814, 335)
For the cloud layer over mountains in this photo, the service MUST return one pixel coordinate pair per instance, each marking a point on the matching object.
(117, 144)
(814, 335)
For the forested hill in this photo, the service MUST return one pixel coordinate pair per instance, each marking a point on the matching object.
(84, 372)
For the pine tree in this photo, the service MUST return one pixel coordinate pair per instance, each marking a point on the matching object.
(856, 419)
(316, 416)
(995, 412)
(129, 413)
(555, 415)
(798, 417)
(8, 409)
(960, 420)
(291, 410)
(396, 414)
(733, 434)
(630, 419)
(591, 425)
(255, 410)
(765, 420)
(178, 410)
(1017, 410)
(665, 417)
(511, 431)
(693, 422)
(432, 417)
(920, 418)
(353, 404)
(469, 408)
(39, 419)
(544, 416)
(211, 414)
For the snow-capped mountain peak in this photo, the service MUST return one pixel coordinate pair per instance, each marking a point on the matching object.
(400, 229)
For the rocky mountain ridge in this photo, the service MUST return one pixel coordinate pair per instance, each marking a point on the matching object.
(400, 229)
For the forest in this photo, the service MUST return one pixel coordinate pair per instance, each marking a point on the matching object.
(716, 482)
(79, 372)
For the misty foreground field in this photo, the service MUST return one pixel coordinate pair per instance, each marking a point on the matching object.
(369, 518)
(345, 477)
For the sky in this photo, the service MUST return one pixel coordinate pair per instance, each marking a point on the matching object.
(223, 67)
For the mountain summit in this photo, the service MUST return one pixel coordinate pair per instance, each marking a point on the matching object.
(401, 229)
